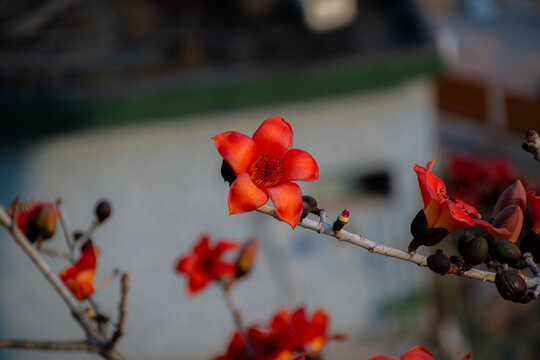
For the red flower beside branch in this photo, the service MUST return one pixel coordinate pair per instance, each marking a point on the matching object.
(79, 278)
(265, 166)
(286, 336)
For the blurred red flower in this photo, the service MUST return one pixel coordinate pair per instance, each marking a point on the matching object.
(265, 165)
(416, 353)
(205, 264)
(79, 278)
(287, 333)
(444, 211)
(36, 220)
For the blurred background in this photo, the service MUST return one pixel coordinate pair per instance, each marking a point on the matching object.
(120, 100)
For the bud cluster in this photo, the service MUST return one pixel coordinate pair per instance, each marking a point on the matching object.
(504, 253)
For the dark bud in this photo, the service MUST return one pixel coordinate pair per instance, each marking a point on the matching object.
(475, 251)
(227, 172)
(305, 210)
(341, 221)
(464, 239)
(439, 263)
(311, 204)
(531, 243)
(419, 225)
(511, 285)
(102, 210)
(424, 235)
(506, 252)
(246, 258)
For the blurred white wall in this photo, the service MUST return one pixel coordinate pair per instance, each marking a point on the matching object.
(164, 182)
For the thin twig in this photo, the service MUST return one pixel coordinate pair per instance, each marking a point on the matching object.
(49, 345)
(121, 310)
(55, 253)
(373, 247)
(534, 269)
(532, 144)
(236, 315)
(93, 336)
(66, 229)
(107, 280)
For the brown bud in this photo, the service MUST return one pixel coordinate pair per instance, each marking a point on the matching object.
(311, 204)
(246, 258)
(514, 194)
(439, 263)
(511, 285)
(511, 218)
(102, 210)
(45, 223)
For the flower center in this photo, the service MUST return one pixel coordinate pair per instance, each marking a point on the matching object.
(265, 171)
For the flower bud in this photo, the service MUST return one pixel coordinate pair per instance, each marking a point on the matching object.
(511, 285)
(439, 263)
(102, 210)
(341, 221)
(511, 218)
(514, 194)
(464, 239)
(45, 223)
(227, 172)
(475, 251)
(506, 252)
(246, 258)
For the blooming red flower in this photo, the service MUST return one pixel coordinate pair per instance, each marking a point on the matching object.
(444, 211)
(205, 264)
(265, 165)
(288, 333)
(36, 220)
(79, 278)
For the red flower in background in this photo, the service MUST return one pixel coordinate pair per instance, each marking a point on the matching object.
(444, 211)
(205, 264)
(481, 180)
(37, 220)
(288, 333)
(416, 353)
(79, 278)
(265, 165)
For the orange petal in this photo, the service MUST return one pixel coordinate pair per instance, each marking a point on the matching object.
(237, 149)
(274, 137)
(381, 357)
(298, 165)
(452, 217)
(421, 173)
(287, 199)
(492, 229)
(197, 282)
(432, 210)
(510, 218)
(245, 196)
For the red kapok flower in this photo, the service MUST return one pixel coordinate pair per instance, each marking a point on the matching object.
(306, 334)
(444, 211)
(205, 264)
(417, 353)
(79, 278)
(37, 220)
(265, 165)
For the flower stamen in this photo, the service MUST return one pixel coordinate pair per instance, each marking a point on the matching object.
(266, 171)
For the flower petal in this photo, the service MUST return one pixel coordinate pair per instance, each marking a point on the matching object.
(237, 149)
(203, 246)
(298, 165)
(197, 282)
(417, 353)
(287, 199)
(492, 229)
(245, 196)
(274, 137)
